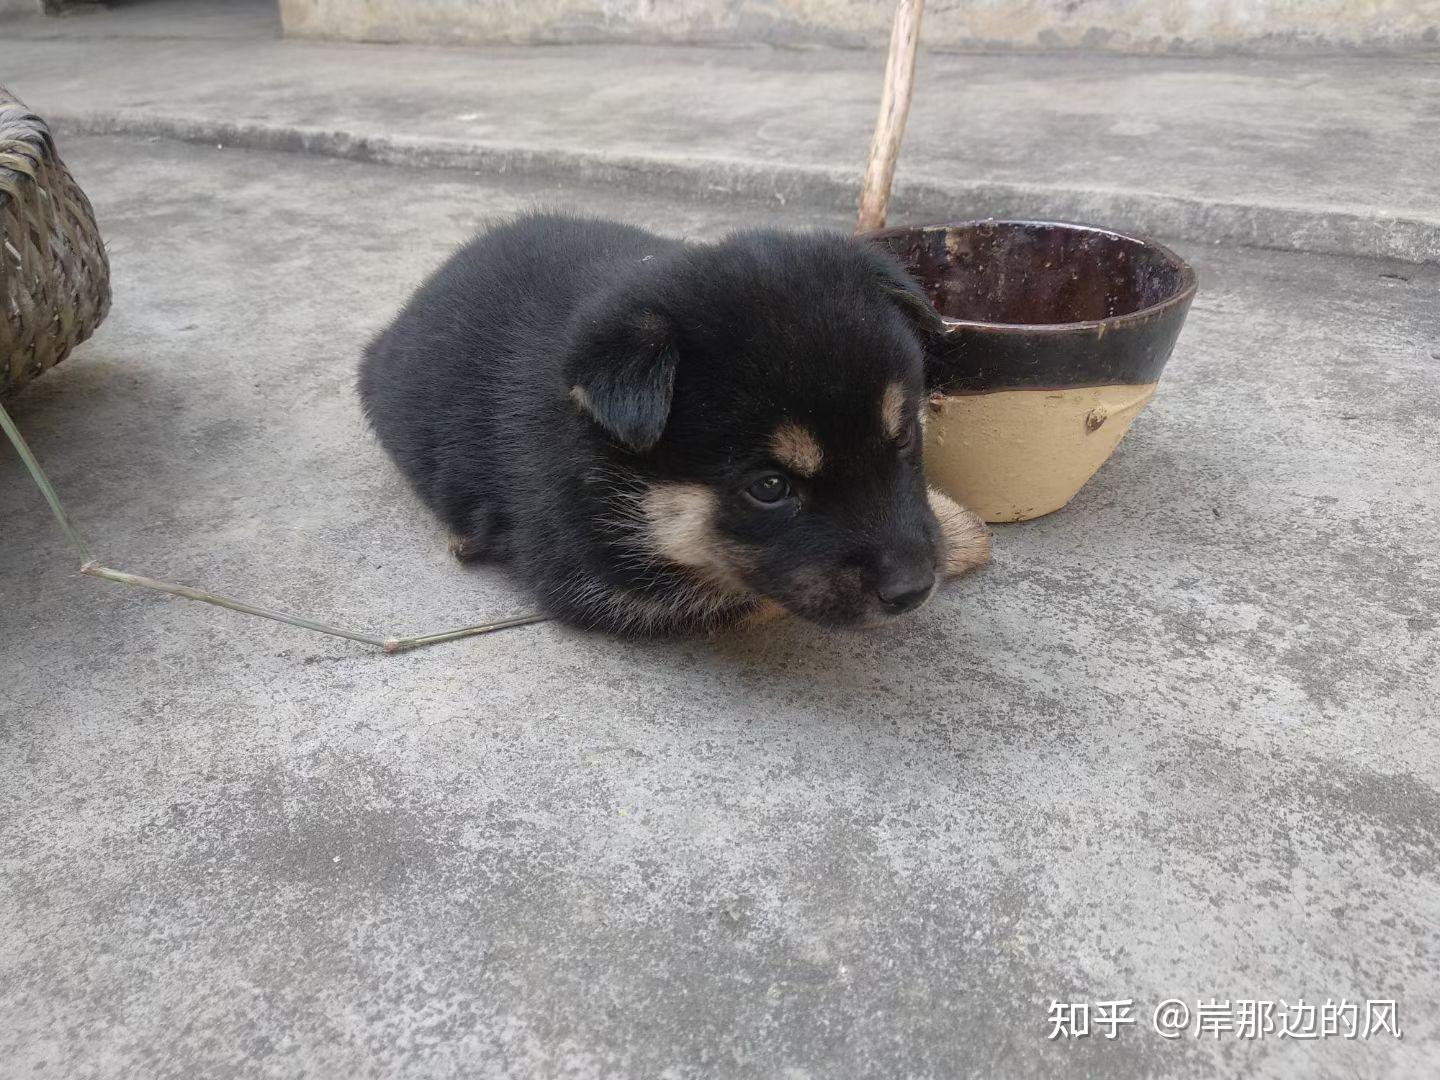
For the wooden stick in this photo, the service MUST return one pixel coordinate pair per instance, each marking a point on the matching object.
(894, 111)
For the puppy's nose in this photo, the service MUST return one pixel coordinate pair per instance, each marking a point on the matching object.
(905, 588)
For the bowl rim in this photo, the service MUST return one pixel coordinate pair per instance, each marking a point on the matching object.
(1188, 279)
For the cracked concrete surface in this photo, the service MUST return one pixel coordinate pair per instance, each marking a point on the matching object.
(1178, 740)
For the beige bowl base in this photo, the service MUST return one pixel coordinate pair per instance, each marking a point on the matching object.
(1013, 455)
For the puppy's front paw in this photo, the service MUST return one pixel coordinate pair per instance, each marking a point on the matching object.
(967, 540)
(766, 612)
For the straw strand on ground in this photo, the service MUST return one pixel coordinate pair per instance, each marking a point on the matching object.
(92, 568)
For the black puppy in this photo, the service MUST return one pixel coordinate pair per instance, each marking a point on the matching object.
(660, 436)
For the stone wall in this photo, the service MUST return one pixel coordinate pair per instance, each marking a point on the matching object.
(1143, 26)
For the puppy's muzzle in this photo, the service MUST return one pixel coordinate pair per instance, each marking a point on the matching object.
(903, 585)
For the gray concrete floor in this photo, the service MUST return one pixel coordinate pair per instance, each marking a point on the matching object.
(1179, 740)
(1331, 154)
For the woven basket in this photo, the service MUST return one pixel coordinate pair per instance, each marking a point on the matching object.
(54, 276)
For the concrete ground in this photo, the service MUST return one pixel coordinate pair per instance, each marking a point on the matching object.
(1331, 154)
(1178, 741)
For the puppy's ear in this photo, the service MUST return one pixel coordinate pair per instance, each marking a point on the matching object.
(622, 374)
(905, 292)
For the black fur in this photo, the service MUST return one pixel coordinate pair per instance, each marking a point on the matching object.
(687, 357)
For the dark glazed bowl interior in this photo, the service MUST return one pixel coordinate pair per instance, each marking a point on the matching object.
(1045, 304)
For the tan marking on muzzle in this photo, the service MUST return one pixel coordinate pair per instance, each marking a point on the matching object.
(796, 447)
(967, 540)
(680, 523)
(892, 409)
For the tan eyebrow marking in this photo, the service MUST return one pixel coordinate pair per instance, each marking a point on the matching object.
(892, 409)
(796, 447)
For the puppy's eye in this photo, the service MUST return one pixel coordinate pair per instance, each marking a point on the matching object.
(770, 490)
(907, 438)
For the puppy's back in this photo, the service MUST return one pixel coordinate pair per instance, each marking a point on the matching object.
(451, 385)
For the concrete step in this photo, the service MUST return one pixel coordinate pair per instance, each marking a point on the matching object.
(1333, 155)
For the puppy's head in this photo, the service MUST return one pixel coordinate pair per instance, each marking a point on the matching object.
(766, 392)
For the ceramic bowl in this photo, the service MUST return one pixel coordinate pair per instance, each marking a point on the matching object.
(1056, 335)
